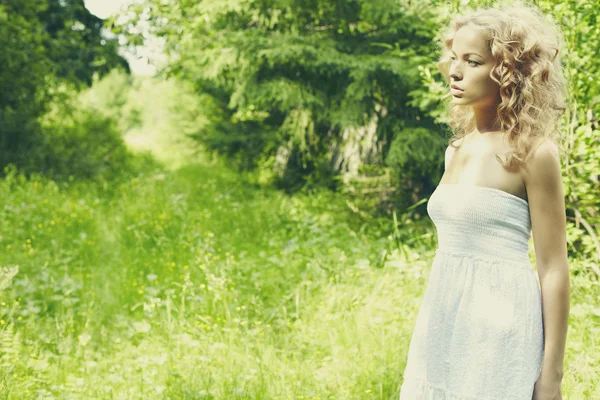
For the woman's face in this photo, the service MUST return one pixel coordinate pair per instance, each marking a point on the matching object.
(470, 69)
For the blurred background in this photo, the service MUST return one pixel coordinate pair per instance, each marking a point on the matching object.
(226, 199)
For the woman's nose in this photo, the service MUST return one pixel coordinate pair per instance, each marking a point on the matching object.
(454, 74)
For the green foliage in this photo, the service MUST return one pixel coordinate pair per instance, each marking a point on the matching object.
(292, 74)
(578, 20)
(6, 276)
(84, 145)
(23, 77)
(582, 185)
(239, 137)
(44, 46)
(414, 160)
(80, 135)
(111, 96)
(74, 42)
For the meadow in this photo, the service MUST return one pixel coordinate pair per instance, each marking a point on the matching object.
(197, 283)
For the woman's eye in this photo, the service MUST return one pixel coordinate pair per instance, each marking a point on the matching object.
(472, 63)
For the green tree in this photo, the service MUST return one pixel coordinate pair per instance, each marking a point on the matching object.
(44, 44)
(295, 79)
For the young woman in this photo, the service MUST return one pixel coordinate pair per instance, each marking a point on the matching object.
(487, 329)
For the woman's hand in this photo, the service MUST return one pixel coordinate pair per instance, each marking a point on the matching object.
(547, 388)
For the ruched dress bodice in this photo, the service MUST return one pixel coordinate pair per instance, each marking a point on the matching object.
(481, 221)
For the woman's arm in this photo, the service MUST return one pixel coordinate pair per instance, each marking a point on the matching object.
(548, 218)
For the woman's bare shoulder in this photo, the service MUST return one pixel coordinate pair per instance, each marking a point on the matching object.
(450, 151)
(452, 144)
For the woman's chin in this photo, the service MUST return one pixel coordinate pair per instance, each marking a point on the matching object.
(459, 100)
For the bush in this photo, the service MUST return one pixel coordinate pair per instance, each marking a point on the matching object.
(414, 158)
(83, 144)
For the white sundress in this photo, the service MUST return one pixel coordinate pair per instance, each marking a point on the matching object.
(479, 332)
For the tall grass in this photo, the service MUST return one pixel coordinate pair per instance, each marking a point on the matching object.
(195, 284)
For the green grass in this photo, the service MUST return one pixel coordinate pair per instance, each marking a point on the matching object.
(195, 284)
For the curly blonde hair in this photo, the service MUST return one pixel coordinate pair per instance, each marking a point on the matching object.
(528, 70)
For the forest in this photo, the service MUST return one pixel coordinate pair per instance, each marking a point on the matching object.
(249, 222)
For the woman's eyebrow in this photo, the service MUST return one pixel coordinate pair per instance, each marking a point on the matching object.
(466, 54)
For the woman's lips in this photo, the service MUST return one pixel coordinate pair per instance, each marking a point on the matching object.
(456, 92)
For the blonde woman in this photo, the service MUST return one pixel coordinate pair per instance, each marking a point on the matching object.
(488, 328)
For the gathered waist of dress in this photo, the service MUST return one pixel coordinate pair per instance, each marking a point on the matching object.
(510, 259)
